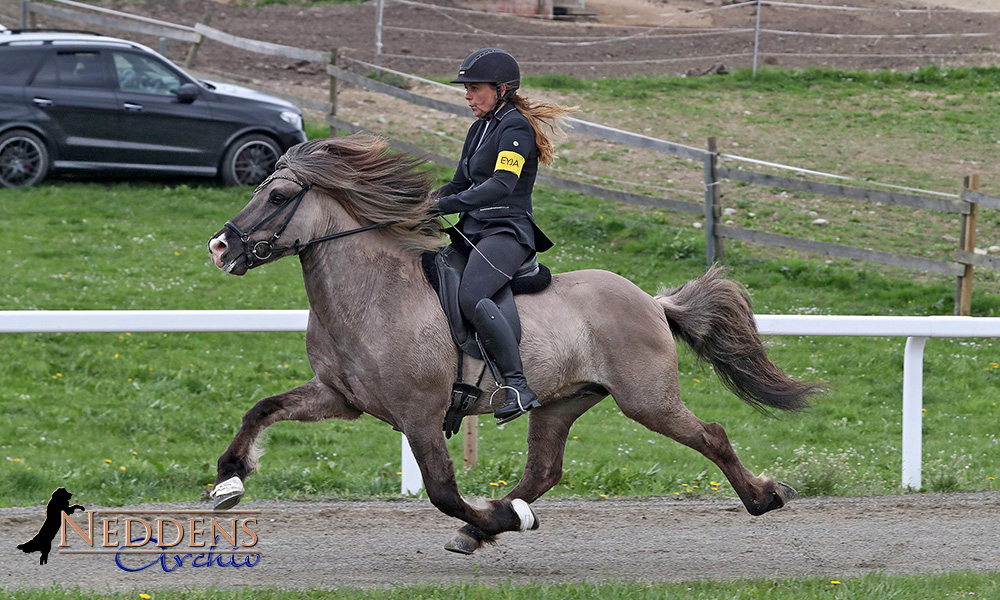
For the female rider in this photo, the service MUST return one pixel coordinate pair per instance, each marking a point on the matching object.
(492, 191)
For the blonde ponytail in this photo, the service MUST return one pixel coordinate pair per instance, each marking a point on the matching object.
(549, 114)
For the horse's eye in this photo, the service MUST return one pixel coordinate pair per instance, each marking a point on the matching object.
(277, 198)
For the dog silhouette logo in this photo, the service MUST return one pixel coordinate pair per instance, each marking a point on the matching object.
(42, 542)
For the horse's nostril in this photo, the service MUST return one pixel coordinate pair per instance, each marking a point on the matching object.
(217, 246)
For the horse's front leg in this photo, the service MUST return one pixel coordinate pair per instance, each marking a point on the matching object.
(496, 516)
(311, 401)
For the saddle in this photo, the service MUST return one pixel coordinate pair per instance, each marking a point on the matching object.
(443, 270)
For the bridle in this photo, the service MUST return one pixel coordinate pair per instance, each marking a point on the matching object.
(265, 249)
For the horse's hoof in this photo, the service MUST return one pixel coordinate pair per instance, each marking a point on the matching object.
(529, 520)
(786, 491)
(462, 544)
(228, 493)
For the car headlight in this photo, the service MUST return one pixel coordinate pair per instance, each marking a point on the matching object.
(292, 118)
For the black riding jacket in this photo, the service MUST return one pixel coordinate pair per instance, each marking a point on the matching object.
(492, 185)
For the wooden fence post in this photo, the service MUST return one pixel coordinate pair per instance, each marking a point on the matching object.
(334, 58)
(963, 293)
(193, 50)
(713, 243)
(470, 442)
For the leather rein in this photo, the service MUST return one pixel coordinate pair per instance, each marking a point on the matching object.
(265, 249)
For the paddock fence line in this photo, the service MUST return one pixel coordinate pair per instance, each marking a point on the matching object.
(964, 204)
(916, 330)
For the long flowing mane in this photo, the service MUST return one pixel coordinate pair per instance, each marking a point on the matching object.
(373, 183)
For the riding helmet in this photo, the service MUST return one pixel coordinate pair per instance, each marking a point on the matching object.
(490, 65)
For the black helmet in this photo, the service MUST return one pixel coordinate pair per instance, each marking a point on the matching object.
(490, 65)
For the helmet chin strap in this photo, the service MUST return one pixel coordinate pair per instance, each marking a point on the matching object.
(501, 99)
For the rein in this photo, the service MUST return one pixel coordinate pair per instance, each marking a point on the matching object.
(265, 249)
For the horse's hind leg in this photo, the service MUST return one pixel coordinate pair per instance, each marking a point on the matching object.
(311, 401)
(665, 413)
(548, 428)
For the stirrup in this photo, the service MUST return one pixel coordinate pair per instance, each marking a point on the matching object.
(521, 408)
(507, 387)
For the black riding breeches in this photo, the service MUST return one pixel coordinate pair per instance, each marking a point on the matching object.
(482, 280)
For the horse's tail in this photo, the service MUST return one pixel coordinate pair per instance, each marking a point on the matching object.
(712, 314)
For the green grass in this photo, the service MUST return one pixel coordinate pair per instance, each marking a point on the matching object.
(164, 406)
(869, 587)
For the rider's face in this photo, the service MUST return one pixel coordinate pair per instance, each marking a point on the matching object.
(481, 97)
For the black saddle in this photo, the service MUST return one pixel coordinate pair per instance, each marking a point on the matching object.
(444, 272)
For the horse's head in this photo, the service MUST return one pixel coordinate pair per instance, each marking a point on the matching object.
(324, 190)
(275, 223)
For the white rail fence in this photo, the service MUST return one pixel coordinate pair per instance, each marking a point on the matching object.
(915, 329)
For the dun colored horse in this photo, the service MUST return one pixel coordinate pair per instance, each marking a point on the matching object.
(356, 214)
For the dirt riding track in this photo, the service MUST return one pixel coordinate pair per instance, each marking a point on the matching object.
(381, 543)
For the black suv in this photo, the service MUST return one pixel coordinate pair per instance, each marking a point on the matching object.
(85, 102)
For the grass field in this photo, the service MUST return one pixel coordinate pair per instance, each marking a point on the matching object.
(122, 418)
(870, 587)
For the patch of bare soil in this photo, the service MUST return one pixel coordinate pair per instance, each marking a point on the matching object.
(629, 37)
(383, 543)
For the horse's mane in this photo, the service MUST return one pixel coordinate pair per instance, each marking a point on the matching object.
(373, 183)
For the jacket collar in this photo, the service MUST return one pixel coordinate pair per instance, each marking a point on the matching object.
(502, 112)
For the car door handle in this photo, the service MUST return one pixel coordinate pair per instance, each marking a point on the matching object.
(42, 102)
(133, 106)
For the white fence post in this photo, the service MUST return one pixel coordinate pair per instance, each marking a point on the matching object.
(412, 482)
(913, 404)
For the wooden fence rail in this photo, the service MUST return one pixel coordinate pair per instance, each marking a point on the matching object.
(965, 205)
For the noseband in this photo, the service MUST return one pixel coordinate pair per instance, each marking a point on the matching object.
(265, 249)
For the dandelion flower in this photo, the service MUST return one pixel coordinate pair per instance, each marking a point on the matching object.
(494, 484)
(145, 596)
(835, 582)
(107, 460)
(122, 468)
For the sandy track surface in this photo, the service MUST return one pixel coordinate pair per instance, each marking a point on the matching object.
(381, 543)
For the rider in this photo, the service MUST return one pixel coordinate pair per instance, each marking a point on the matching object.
(492, 191)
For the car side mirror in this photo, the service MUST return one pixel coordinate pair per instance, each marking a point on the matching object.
(187, 93)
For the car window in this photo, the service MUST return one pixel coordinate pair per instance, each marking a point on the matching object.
(18, 64)
(144, 74)
(72, 69)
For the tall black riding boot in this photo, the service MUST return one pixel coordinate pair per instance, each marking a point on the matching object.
(499, 341)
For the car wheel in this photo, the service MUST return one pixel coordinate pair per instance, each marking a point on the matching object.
(249, 160)
(24, 159)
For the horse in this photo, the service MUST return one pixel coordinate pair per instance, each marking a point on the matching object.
(357, 215)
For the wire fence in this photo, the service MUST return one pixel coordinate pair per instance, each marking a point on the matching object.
(782, 33)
